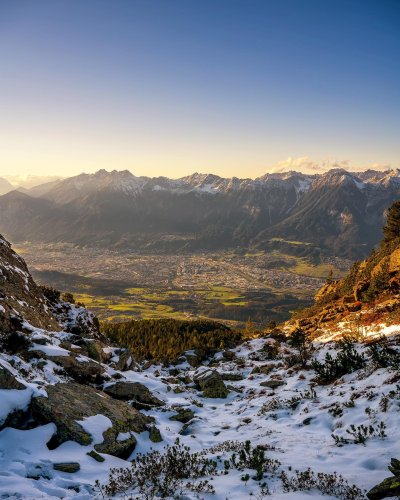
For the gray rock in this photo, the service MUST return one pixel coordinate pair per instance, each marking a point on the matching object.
(155, 434)
(138, 393)
(66, 404)
(272, 383)
(184, 415)
(211, 383)
(82, 371)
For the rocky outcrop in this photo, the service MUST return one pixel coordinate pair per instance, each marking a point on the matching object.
(138, 394)
(371, 287)
(326, 290)
(394, 261)
(20, 298)
(67, 404)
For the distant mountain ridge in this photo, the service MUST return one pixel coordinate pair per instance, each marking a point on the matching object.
(337, 212)
(5, 186)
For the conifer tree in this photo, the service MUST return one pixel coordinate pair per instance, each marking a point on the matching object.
(391, 230)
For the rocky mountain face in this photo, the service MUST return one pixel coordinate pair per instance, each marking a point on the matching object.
(275, 415)
(368, 295)
(5, 186)
(338, 212)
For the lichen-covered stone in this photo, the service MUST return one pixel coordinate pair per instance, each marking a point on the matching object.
(93, 454)
(389, 487)
(211, 383)
(272, 383)
(112, 446)
(184, 415)
(155, 434)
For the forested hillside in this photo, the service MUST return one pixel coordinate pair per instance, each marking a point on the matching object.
(167, 339)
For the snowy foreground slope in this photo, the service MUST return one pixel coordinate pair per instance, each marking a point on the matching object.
(274, 403)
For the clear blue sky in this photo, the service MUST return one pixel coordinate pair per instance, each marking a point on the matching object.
(168, 87)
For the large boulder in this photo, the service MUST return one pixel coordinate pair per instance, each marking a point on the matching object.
(125, 361)
(326, 290)
(20, 297)
(66, 404)
(193, 359)
(211, 383)
(138, 394)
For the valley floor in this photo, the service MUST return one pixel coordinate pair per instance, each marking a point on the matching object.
(226, 286)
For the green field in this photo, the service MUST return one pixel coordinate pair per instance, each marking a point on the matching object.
(228, 286)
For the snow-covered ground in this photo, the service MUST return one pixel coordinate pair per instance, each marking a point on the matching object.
(294, 422)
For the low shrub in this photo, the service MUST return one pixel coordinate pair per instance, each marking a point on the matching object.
(162, 475)
(361, 433)
(347, 360)
(383, 355)
(253, 458)
(328, 484)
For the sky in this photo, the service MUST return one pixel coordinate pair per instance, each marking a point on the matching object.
(170, 87)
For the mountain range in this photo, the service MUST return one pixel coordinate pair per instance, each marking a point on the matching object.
(334, 213)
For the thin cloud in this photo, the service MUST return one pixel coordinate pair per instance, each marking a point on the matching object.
(308, 166)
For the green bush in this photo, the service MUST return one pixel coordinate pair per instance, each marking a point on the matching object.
(347, 360)
(391, 230)
(328, 484)
(383, 355)
(299, 340)
(254, 459)
(360, 433)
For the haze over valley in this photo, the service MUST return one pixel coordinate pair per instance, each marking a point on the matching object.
(200, 246)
